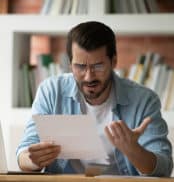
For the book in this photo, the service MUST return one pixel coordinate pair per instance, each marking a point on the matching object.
(42, 69)
(97, 7)
(141, 6)
(64, 63)
(167, 90)
(146, 68)
(74, 8)
(82, 8)
(133, 6)
(67, 7)
(154, 71)
(32, 81)
(132, 71)
(163, 81)
(152, 6)
(125, 6)
(170, 99)
(25, 98)
(46, 7)
(56, 7)
(139, 67)
(52, 69)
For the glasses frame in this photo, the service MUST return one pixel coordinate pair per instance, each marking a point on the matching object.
(94, 68)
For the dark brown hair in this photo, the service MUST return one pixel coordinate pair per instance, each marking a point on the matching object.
(90, 36)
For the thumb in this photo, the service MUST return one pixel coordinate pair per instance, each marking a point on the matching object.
(140, 130)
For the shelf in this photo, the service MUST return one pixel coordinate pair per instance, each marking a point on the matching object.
(121, 24)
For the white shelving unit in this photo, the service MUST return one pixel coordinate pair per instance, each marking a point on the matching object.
(11, 25)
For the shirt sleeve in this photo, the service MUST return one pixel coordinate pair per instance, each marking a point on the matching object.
(40, 106)
(155, 139)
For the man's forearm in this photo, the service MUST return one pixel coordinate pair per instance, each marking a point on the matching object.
(25, 162)
(142, 159)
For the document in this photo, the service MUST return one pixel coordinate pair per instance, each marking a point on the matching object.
(76, 134)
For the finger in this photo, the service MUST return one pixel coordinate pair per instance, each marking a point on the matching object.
(140, 130)
(109, 135)
(125, 128)
(46, 163)
(114, 129)
(41, 153)
(119, 129)
(40, 146)
(47, 157)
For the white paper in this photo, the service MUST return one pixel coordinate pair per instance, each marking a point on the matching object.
(76, 134)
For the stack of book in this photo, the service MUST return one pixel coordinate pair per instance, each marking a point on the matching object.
(42, 64)
(151, 71)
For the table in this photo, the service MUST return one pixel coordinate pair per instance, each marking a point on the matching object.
(79, 178)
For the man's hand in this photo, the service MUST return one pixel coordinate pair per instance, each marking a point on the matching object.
(38, 156)
(124, 138)
(43, 154)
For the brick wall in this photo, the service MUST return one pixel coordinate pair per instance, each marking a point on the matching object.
(25, 6)
(128, 47)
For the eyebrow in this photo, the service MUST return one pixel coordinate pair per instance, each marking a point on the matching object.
(89, 64)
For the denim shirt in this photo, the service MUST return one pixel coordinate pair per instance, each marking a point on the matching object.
(60, 95)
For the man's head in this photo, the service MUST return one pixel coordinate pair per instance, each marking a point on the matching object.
(92, 53)
(90, 36)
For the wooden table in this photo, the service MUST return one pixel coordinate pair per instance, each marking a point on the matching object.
(78, 178)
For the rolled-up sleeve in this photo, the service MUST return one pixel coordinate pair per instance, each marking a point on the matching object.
(39, 106)
(155, 138)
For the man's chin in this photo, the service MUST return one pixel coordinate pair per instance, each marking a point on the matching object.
(91, 95)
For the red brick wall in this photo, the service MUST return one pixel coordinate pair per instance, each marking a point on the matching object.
(25, 6)
(129, 47)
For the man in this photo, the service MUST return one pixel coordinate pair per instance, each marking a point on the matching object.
(127, 114)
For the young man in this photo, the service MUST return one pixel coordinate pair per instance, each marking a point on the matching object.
(127, 114)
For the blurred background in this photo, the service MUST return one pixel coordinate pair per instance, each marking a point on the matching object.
(33, 47)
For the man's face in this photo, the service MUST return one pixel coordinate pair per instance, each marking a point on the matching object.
(92, 71)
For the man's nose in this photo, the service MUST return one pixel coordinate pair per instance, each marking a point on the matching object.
(89, 74)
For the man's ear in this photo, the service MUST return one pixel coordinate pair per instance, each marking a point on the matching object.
(114, 62)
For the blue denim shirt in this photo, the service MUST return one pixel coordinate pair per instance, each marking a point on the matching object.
(60, 95)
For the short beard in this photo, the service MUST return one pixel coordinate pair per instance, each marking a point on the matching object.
(92, 95)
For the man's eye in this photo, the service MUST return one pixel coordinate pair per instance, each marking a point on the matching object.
(81, 66)
(98, 67)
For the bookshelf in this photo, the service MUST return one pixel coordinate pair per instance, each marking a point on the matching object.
(14, 39)
(15, 36)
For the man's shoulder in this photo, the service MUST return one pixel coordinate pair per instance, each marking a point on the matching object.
(135, 89)
(61, 83)
(61, 80)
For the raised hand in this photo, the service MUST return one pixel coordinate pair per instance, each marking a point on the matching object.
(125, 139)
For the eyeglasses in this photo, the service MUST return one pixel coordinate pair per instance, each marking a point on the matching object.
(82, 68)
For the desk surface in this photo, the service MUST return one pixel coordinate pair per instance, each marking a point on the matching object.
(78, 178)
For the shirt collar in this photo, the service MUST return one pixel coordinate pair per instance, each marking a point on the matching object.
(70, 89)
(120, 90)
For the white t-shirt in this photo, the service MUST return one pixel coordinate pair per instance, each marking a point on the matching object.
(103, 116)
